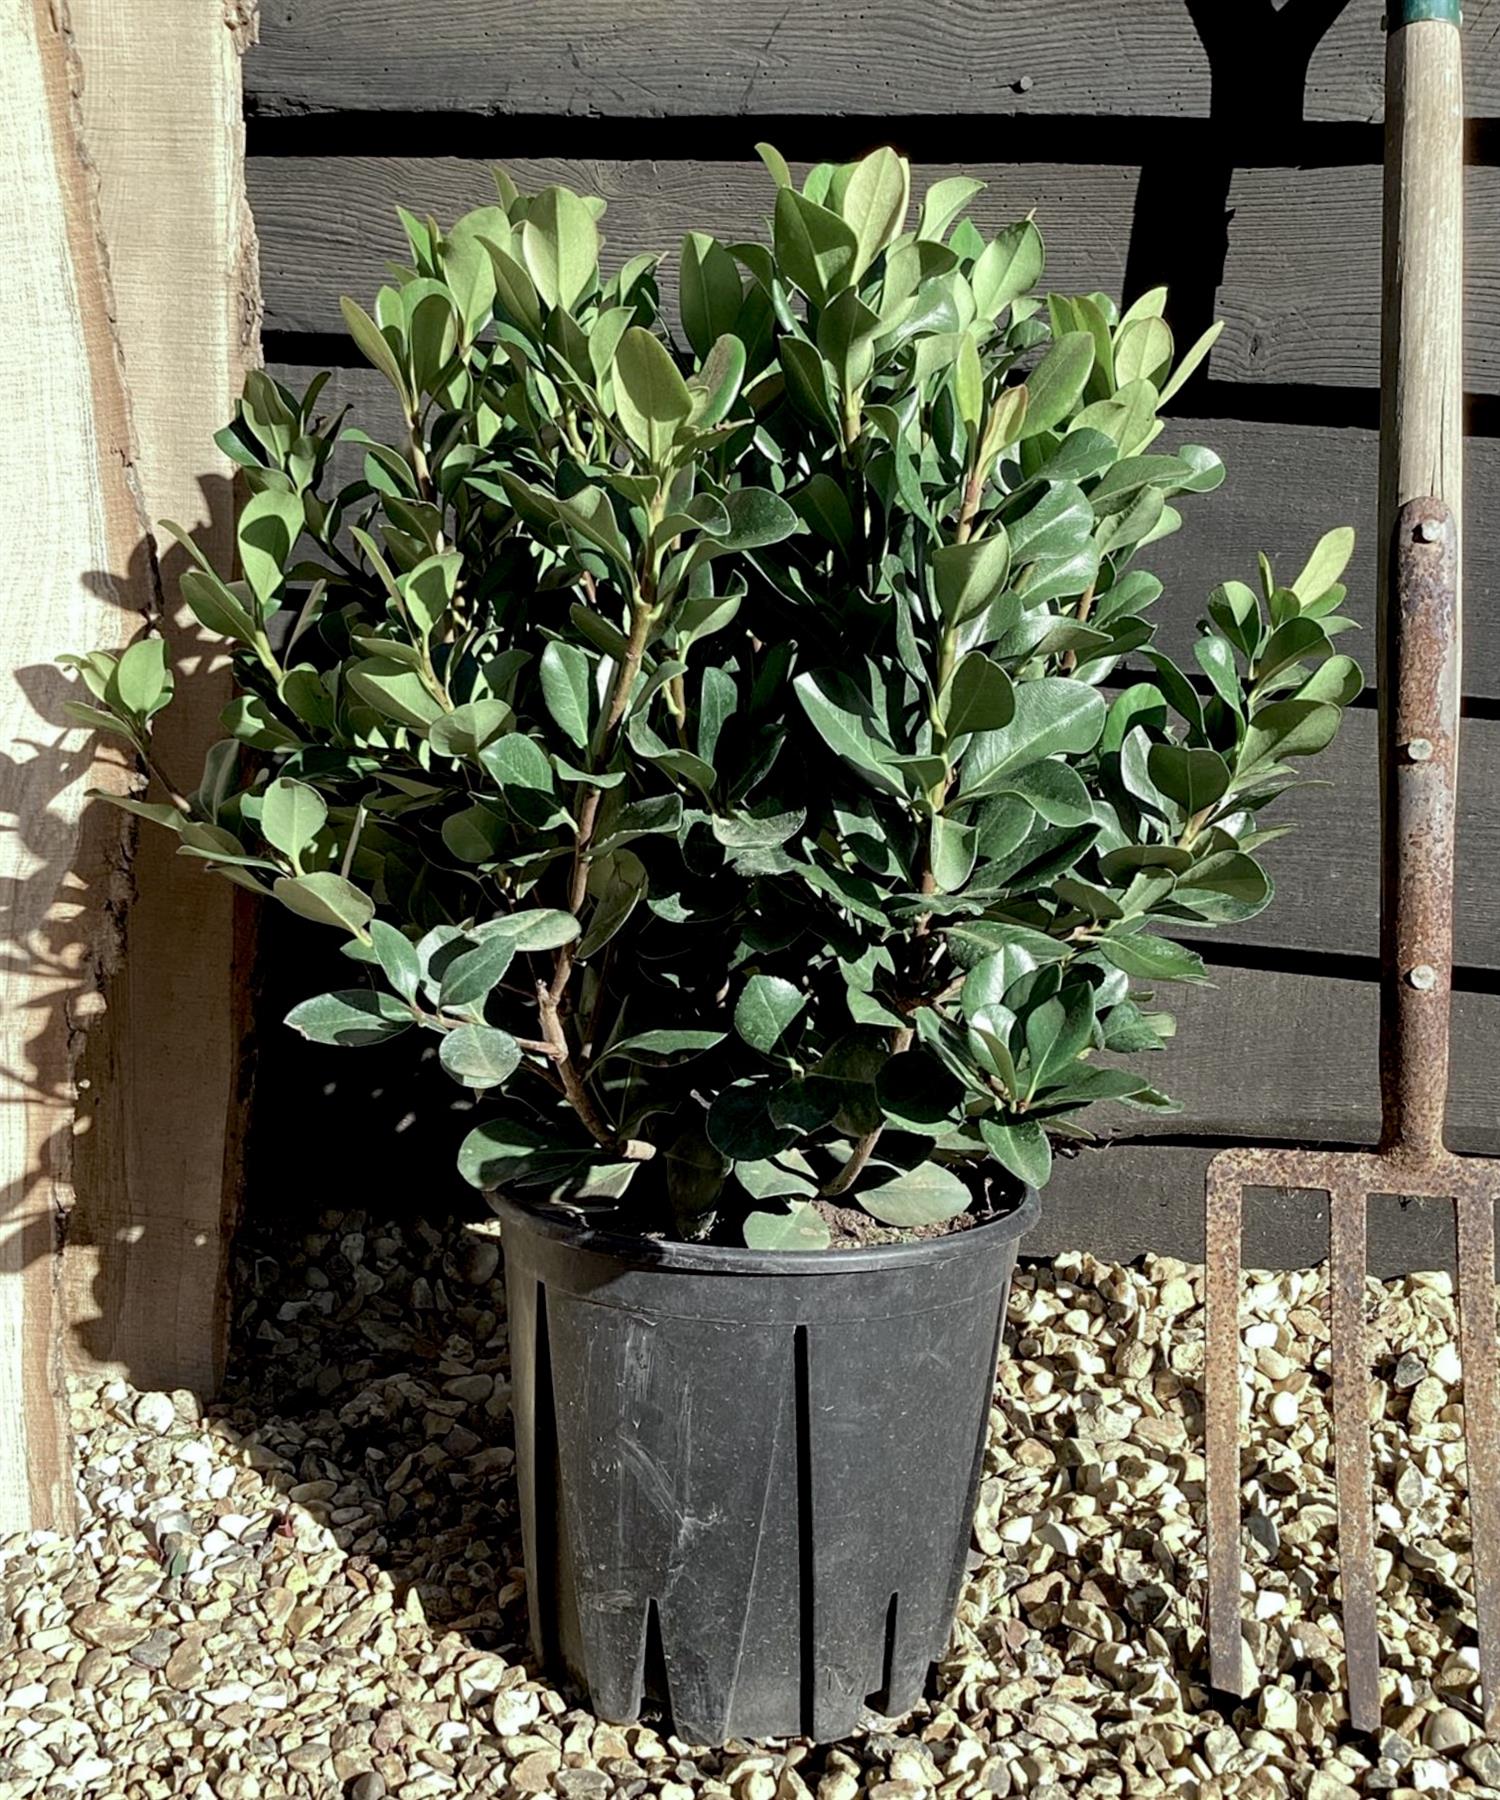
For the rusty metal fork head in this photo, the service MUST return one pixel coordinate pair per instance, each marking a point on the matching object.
(1419, 718)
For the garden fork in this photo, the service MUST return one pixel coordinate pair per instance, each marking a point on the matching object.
(1419, 654)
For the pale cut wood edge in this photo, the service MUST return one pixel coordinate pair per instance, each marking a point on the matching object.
(1421, 364)
(68, 542)
(147, 1260)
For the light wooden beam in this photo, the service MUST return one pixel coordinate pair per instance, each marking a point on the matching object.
(148, 1246)
(71, 529)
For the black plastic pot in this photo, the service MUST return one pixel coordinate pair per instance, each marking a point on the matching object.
(748, 1478)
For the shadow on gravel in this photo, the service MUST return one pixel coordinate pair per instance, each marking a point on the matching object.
(369, 1364)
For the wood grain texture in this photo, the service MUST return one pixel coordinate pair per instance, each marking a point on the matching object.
(69, 537)
(1301, 289)
(1266, 1056)
(1299, 294)
(148, 1253)
(1028, 57)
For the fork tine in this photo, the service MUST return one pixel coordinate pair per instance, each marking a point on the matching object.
(1221, 1424)
(1476, 1315)
(1352, 1451)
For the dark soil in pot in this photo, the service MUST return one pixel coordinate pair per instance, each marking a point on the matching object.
(748, 1478)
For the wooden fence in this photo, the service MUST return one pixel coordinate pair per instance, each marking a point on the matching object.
(1230, 151)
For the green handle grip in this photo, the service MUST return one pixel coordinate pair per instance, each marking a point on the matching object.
(1407, 12)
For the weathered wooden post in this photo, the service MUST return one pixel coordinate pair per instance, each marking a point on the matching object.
(120, 132)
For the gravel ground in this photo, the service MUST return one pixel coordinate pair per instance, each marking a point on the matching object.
(316, 1589)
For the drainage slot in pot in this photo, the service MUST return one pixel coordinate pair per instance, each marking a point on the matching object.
(806, 1567)
(880, 1700)
(546, 1607)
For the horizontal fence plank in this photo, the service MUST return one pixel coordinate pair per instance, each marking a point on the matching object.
(1286, 485)
(1300, 292)
(1269, 1056)
(1327, 871)
(1122, 1201)
(586, 58)
(328, 224)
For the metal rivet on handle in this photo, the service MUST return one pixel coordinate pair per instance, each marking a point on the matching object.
(1430, 530)
(1419, 750)
(1423, 977)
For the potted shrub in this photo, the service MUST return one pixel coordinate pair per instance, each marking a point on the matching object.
(738, 742)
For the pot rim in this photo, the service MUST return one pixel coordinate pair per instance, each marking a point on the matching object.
(668, 1254)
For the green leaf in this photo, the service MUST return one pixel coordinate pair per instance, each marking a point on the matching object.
(292, 815)
(1007, 267)
(740, 1125)
(1052, 790)
(560, 246)
(373, 345)
(1195, 779)
(1056, 384)
(967, 577)
(1053, 717)
(980, 697)
(1147, 958)
(327, 898)
(845, 732)
(874, 204)
(925, 1195)
(765, 1009)
(350, 1017)
(142, 677)
(216, 606)
(1328, 561)
(651, 397)
(566, 688)
(711, 291)
(480, 1056)
(944, 201)
(268, 531)
(757, 518)
(394, 691)
(470, 977)
(467, 729)
(670, 1044)
(800, 1227)
(954, 847)
(397, 956)
(815, 248)
(1021, 1149)
(538, 928)
(1287, 728)
(617, 882)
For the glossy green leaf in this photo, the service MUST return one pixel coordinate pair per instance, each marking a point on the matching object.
(925, 1195)
(327, 898)
(651, 396)
(765, 1010)
(292, 815)
(799, 1227)
(566, 674)
(480, 1056)
(1053, 716)
(1055, 386)
(351, 1017)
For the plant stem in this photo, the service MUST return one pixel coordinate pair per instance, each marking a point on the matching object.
(864, 1147)
(1068, 661)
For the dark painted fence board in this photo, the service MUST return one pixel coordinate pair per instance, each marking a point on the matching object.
(328, 224)
(1121, 1201)
(1300, 292)
(881, 57)
(1270, 1056)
